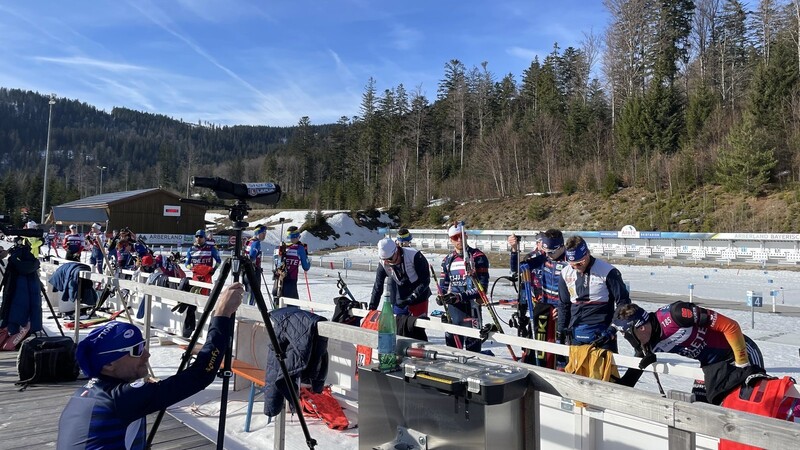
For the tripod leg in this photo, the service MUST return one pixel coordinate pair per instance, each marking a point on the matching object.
(249, 271)
(52, 311)
(187, 355)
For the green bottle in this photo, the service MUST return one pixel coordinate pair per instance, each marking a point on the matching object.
(387, 337)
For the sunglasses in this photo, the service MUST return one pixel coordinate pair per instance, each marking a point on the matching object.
(136, 350)
(552, 250)
(456, 238)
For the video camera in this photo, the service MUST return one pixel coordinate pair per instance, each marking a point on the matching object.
(263, 193)
(7, 230)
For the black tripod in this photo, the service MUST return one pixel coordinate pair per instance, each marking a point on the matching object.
(239, 264)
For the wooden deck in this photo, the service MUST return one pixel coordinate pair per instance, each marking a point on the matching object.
(29, 419)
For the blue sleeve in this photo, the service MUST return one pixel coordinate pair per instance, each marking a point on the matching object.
(301, 253)
(564, 305)
(215, 254)
(616, 288)
(513, 262)
(255, 247)
(189, 257)
(137, 399)
(444, 276)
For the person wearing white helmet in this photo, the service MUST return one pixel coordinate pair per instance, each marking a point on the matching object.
(460, 268)
(409, 285)
(96, 240)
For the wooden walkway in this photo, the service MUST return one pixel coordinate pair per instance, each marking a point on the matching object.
(29, 419)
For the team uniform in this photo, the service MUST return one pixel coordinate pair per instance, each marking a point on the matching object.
(96, 242)
(293, 256)
(110, 414)
(73, 243)
(455, 279)
(545, 279)
(409, 280)
(587, 301)
(704, 335)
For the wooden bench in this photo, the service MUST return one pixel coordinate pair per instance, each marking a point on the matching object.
(256, 376)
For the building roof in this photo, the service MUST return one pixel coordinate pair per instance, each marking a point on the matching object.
(79, 215)
(109, 198)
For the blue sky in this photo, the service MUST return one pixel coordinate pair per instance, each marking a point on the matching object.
(270, 62)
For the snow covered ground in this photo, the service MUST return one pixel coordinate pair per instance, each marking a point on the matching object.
(778, 335)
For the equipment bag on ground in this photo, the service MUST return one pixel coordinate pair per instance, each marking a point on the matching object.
(46, 360)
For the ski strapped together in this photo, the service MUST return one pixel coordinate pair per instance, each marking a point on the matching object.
(469, 266)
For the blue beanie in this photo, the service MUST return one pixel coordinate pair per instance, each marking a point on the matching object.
(260, 229)
(111, 336)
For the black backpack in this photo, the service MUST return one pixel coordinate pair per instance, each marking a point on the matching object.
(46, 359)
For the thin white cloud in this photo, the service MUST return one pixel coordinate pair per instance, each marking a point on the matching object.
(162, 23)
(81, 61)
(526, 54)
(405, 38)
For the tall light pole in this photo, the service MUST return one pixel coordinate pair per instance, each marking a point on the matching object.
(47, 155)
(102, 168)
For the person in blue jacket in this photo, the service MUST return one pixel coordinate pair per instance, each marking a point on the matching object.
(109, 412)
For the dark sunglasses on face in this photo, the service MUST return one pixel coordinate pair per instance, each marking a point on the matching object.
(136, 350)
(455, 238)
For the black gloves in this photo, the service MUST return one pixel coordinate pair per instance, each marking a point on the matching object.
(649, 358)
(448, 299)
(522, 323)
(561, 338)
(403, 302)
(486, 329)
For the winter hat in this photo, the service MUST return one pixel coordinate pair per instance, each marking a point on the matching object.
(260, 229)
(31, 224)
(455, 230)
(200, 233)
(107, 344)
(403, 235)
(293, 232)
(147, 260)
(576, 254)
(96, 226)
(386, 248)
(73, 227)
(634, 321)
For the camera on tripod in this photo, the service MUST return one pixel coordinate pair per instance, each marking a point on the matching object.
(7, 230)
(263, 193)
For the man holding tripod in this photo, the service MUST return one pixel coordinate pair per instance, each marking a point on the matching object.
(110, 410)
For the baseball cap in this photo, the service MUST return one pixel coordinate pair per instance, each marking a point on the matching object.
(386, 248)
(107, 344)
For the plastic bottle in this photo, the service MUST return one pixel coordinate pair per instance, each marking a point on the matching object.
(387, 337)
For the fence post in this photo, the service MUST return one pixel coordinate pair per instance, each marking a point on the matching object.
(680, 439)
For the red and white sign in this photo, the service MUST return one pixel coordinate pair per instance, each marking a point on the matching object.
(172, 211)
(232, 240)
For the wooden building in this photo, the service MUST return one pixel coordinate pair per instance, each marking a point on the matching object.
(143, 211)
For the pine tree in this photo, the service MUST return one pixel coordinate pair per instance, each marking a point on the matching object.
(746, 162)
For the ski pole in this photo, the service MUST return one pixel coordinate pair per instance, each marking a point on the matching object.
(492, 313)
(308, 289)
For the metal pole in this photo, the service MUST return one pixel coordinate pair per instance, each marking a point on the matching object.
(47, 156)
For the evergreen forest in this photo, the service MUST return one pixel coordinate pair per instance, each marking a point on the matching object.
(673, 96)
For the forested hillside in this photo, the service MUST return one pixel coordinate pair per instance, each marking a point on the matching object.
(674, 99)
